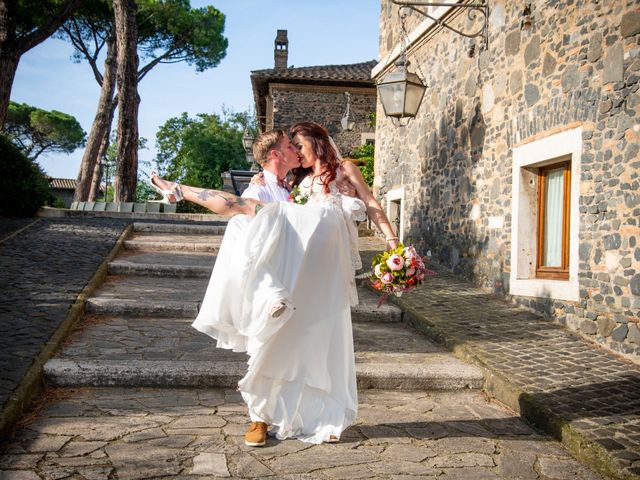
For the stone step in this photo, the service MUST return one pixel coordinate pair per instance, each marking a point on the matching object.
(125, 351)
(438, 374)
(209, 229)
(166, 297)
(121, 267)
(170, 242)
(163, 264)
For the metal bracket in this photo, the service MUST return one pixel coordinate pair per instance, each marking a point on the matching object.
(481, 7)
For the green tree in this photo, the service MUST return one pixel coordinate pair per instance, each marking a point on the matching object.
(169, 31)
(365, 153)
(35, 131)
(23, 25)
(196, 151)
(23, 186)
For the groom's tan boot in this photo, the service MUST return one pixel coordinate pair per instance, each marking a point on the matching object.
(256, 436)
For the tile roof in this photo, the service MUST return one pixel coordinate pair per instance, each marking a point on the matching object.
(353, 72)
(63, 183)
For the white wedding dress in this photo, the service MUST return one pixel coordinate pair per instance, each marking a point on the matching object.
(301, 370)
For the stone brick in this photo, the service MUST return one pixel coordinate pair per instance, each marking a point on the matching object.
(589, 327)
(515, 83)
(612, 242)
(614, 64)
(605, 326)
(549, 64)
(634, 334)
(630, 24)
(532, 52)
(570, 78)
(620, 332)
(634, 284)
(531, 94)
(595, 47)
(512, 43)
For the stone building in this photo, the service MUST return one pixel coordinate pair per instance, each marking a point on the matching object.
(521, 169)
(285, 95)
(63, 188)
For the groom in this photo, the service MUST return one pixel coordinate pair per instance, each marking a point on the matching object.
(278, 156)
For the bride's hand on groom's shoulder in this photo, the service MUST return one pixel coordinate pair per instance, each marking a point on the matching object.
(258, 179)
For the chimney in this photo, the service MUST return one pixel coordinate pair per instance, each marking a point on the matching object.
(281, 50)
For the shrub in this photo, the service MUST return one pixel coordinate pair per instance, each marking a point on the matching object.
(24, 187)
(366, 154)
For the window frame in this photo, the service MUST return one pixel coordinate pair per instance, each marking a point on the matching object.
(543, 271)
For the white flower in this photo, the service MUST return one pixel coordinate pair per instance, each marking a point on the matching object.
(377, 271)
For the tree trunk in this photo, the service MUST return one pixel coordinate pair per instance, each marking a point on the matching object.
(128, 100)
(101, 127)
(8, 67)
(12, 47)
(102, 154)
(9, 58)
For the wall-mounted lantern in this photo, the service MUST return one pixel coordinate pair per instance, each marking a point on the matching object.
(346, 123)
(401, 91)
(247, 143)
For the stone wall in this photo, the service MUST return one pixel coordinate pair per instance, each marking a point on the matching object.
(326, 106)
(578, 67)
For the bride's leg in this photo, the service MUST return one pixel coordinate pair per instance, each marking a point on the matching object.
(222, 203)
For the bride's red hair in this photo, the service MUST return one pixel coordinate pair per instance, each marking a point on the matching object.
(319, 138)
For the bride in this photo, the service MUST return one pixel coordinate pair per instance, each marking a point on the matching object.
(282, 290)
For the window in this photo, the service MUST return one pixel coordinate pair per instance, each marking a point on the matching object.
(545, 217)
(368, 138)
(554, 193)
(395, 204)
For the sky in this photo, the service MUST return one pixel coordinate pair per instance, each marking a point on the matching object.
(319, 33)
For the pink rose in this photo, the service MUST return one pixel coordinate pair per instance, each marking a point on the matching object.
(387, 278)
(410, 271)
(395, 262)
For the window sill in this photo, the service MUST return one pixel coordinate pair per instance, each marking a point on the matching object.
(546, 288)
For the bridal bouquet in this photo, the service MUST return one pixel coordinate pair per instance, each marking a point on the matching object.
(397, 271)
(296, 196)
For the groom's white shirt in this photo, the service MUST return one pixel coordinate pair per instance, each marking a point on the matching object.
(270, 192)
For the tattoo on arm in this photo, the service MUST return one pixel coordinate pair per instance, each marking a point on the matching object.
(229, 199)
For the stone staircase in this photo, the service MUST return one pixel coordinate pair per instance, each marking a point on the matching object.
(137, 331)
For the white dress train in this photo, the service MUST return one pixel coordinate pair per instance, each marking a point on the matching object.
(301, 371)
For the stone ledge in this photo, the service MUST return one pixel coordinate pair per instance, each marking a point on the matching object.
(120, 267)
(193, 217)
(501, 386)
(179, 228)
(364, 312)
(375, 372)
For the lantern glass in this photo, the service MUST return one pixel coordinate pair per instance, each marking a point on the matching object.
(247, 141)
(401, 93)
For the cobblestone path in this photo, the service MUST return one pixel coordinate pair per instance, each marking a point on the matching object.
(42, 270)
(421, 415)
(198, 433)
(558, 380)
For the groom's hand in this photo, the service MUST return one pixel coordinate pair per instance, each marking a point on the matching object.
(345, 187)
